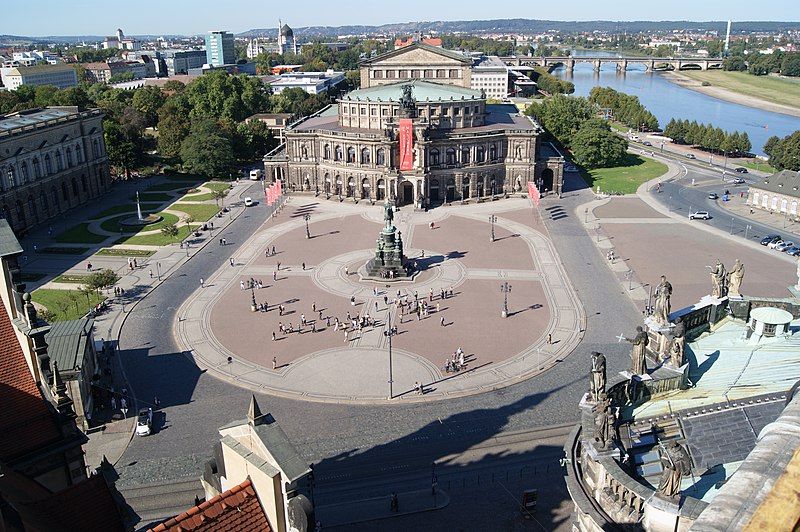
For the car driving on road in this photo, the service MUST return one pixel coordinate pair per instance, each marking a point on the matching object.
(690, 156)
(144, 423)
(699, 215)
(741, 169)
(769, 239)
(712, 195)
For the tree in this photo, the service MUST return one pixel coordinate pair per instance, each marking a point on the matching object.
(102, 279)
(220, 95)
(770, 144)
(743, 144)
(174, 86)
(122, 151)
(219, 195)
(206, 152)
(170, 231)
(562, 115)
(173, 126)
(735, 63)
(596, 146)
(790, 66)
(148, 100)
(785, 154)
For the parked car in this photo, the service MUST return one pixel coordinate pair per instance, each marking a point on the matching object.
(712, 195)
(690, 156)
(769, 239)
(699, 215)
(738, 181)
(784, 246)
(255, 175)
(248, 201)
(775, 243)
(144, 424)
(794, 251)
(647, 143)
(741, 169)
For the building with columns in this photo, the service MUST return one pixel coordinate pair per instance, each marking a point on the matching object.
(414, 140)
(51, 160)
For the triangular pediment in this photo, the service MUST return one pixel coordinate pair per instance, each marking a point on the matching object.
(419, 54)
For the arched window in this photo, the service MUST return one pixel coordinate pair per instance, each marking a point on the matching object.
(434, 157)
(24, 169)
(45, 203)
(784, 205)
(450, 156)
(11, 177)
(764, 201)
(32, 208)
(37, 170)
(59, 162)
(68, 152)
(79, 153)
(20, 212)
(793, 210)
(48, 165)
(380, 158)
(64, 192)
(74, 187)
(54, 197)
(365, 156)
(95, 149)
(756, 196)
(326, 152)
(492, 152)
(351, 154)
(84, 183)
(464, 155)
(338, 153)
(775, 202)
(480, 155)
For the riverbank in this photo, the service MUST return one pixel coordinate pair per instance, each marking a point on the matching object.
(735, 91)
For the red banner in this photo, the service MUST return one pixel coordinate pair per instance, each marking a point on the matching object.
(406, 144)
(533, 192)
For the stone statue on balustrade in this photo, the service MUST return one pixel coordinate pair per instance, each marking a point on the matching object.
(677, 346)
(638, 361)
(597, 376)
(676, 464)
(662, 305)
(604, 422)
(718, 280)
(735, 277)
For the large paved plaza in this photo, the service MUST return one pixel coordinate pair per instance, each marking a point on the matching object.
(315, 280)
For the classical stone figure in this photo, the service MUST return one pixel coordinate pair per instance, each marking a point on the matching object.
(735, 277)
(597, 376)
(518, 151)
(662, 304)
(604, 422)
(676, 464)
(718, 276)
(407, 102)
(676, 348)
(638, 361)
(388, 213)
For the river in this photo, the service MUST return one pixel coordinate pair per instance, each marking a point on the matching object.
(668, 100)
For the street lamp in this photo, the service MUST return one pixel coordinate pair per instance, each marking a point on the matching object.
(253, 305)
(492, 220)
(158, 270)
(731, 224)
(506, 289)
(388, 333)
(746, 229)
(307, 217)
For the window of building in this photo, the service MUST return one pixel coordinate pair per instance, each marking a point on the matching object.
(380, 158)
(326, 151)
(445, 111)
(464, 155)
(351, 154)
(37, 171)
(480, 155)
(477, 110)
(394, 111)
(429, 73)
(390, 74)
(416, 73)
(450, 156)
(11, 177)
(363, 111)
(74, 187)
(403, 74)
(352, 110)
(456, 111)
(68, 152)
(20, 212)
(365, 156)
(378, 74)
(54, 197)
(784, 205)
(441, 73)
(373, 111)
(769, 329)
(453, 73)
(338, 153)
(434, 157)
(775, 202)
(79, 153)
(24, 170)
(492, 152)
(384, 111)
(84, 183)
(59, 162)
(64, 191)
(95, 149)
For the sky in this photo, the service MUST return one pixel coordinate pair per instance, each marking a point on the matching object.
(189, 17)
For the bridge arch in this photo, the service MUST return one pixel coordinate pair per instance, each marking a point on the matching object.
(690, 66)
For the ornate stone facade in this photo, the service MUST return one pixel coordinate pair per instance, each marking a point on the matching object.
(463, 148)
(51, 160)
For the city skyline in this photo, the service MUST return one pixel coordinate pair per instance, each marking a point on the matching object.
(175, 19)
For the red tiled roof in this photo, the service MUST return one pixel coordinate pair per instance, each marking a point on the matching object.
(25, 421)
(237, 509)
(88, 505)
(433, 41)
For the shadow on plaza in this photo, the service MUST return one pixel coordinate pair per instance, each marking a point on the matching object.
(492, 483)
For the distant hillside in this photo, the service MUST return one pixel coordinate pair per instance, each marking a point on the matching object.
(528, 26)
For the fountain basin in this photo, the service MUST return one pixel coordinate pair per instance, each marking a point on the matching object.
(134, 221)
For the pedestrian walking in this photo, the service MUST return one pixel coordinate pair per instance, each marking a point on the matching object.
(241, 285)
(313, 306)
(437, 307)
(156, 402)
(303, 319)
(393, 504)
(441, 321)
(386, 300)
(274, 276)
(279, 266)
(274, 337)
(353, 301)
(346, 270)
(304, 265)
(135, 263)
(202, 283)
(328, 321)
(430, 295)
(231, 261)
(224, 241)
(376, 306)
(266, 253)
(220, 241)
(346, 336)
(274, 362)
(273, 250)
(150, 272)
(113, 403)
(89, 266)
(549, 338)
(313, 326)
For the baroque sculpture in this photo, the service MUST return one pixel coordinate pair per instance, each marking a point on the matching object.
(597, 376)
(389, 263)
(662, 304)
(638, 361)
(676, 464)
(604, 422)
(676, 349)
(718, 278)
(735, 277)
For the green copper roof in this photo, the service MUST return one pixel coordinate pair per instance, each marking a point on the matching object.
(421, 91)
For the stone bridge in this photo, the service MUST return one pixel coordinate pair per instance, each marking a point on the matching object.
(650, 63)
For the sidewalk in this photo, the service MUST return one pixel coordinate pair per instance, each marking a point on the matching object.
(780, 223)
(111, 441)
(408, 502)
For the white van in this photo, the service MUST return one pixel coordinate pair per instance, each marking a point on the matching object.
(255, 175)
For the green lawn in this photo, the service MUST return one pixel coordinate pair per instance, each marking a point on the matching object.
(760, 166)
(198, 197)
(199, 211)
(112, 224)
(770, 88)
(217, 185)
(79, 234)
(65, 304)
(125, 252)
(70, 278)
(627, 178)
(173, 186)
(156, 239)
(121, 209)
(154, 196)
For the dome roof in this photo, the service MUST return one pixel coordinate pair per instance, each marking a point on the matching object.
(286, 31)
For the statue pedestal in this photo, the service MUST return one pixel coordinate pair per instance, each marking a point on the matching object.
(661, 514)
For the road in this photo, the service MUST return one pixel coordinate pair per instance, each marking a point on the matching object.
(366, 437)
